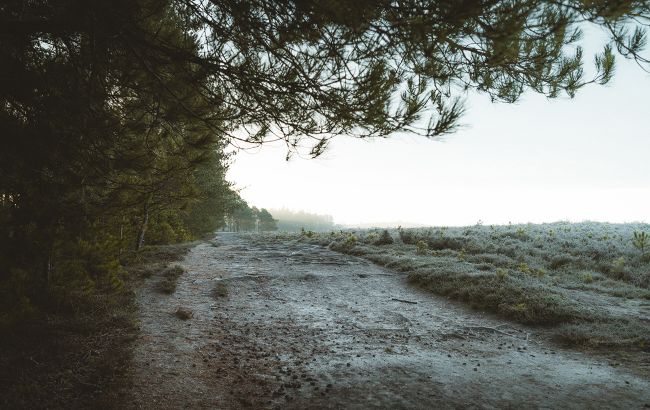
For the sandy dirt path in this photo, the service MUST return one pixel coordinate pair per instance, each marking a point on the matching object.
(305, 327)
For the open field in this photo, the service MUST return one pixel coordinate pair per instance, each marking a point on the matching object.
(588, 282)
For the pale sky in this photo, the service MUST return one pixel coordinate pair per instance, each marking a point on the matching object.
(535, 161)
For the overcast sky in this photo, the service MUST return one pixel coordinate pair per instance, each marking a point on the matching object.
(538, 160)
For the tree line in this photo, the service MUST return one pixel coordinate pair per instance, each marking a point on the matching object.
(244, 218)
(294, 221)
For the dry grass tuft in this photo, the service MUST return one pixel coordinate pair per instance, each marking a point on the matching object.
(220, 290)
(183, 313)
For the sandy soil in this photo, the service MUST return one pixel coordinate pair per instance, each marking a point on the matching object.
(305, 327)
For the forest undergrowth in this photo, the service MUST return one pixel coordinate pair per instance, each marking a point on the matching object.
(78, 354)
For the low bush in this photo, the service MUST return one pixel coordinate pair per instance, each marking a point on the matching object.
(619, 270)
(407, 237)
(441, 243)
(421, 248)
(384, 239)
(170, 275)
(560, 261)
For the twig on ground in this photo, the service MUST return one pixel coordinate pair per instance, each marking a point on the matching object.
(404, 301)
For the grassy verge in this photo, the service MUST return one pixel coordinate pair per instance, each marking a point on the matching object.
(585, 282)
(78, 355)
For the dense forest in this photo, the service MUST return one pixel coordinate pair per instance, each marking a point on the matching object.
(103, 153)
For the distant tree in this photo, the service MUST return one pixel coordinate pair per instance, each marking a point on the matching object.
(240, 216)
(266, 221)
(205, 213)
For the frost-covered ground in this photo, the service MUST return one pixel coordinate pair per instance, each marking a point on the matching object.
(274, 322)
(588, 282)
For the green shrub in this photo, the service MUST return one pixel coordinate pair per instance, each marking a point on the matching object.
(619, 270)
(371, 238)
(169, 279)
(521, 234)
(167, 228)
(308, 234)
(524, 268)
(81, 266)
(421, 248)
(461, 255)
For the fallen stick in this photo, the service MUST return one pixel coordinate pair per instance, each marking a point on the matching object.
(404, 301)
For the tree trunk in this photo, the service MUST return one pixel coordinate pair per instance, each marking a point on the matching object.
(121, 240)
(48, 275)
(143, 227)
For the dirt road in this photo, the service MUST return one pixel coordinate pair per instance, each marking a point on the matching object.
(305, 327)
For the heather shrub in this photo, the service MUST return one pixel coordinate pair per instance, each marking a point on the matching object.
(384, 238)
